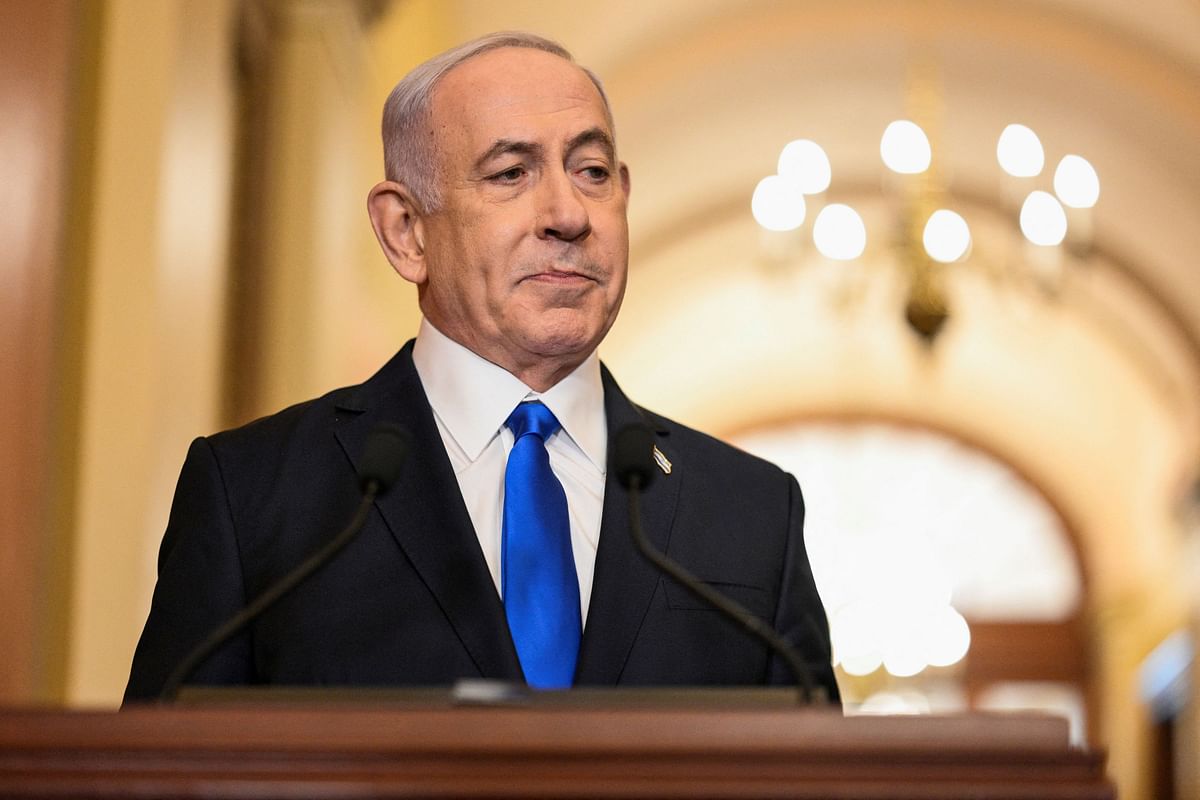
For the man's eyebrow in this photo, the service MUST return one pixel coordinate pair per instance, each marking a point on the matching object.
(504, 146)
(594, 136)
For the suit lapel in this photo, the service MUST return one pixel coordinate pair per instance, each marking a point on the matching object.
(624, 582)
(426, 514)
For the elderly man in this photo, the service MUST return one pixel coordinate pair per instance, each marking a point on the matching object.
(503, 551)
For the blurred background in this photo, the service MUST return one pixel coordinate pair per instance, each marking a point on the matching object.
(974, 335)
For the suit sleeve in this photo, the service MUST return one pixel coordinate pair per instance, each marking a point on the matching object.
(200, 585)
(800, 616)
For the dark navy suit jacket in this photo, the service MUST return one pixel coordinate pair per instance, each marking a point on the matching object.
(410, 601)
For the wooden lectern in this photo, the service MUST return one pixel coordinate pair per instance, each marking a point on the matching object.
(678, 745)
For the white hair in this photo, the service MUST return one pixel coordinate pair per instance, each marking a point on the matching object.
(408, 147)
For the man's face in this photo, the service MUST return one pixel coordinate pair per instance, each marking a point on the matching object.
(525, 261)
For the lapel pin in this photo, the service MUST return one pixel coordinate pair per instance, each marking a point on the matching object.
(662, 461)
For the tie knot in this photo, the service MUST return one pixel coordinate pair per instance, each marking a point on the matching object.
(532, 418)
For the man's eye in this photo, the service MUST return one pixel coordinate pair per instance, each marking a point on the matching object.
(597, 174)
(510, 175)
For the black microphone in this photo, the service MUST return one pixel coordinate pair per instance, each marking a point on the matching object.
(386, 448)
(630, 458)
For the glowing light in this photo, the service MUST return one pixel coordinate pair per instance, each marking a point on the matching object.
(1043, 220)
(839, 233)
(904, 658)
(1019, 152)
(778, 204)
(929, 588)
(947, 236)
(853, 630)
(1076, 182)
(947, 638)
(862, 664)
(905, 148)
(804, 162)
(902, 702)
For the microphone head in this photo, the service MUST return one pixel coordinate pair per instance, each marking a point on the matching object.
(384, 454)
(630, 455)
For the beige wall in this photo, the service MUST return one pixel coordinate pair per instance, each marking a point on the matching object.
(153, 310)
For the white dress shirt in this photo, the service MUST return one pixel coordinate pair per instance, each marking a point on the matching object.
(472, 397)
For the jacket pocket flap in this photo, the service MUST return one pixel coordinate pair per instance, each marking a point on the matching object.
(757, 600)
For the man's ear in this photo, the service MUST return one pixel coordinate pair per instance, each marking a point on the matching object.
(398, 225)
(624, 173)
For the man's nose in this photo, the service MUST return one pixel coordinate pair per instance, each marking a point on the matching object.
(561, 213)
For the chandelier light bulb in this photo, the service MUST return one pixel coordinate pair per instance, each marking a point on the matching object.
(905, 148)
(778, 204)
(1043, 220)
(1076, 182)
(839, 233)
(947, 237)
(1019, 152)
(805, 162)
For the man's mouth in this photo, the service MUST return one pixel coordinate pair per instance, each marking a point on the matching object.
(560, 277)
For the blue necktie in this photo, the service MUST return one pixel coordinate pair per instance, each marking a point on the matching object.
(538, 580)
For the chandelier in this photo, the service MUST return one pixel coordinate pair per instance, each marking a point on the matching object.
(928, 234)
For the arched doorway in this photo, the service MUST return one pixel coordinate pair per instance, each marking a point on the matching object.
(950, 580)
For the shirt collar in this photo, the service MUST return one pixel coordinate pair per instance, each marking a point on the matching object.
(473, 397)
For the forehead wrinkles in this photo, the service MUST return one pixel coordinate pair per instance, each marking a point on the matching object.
(493, 110)
(547, 106)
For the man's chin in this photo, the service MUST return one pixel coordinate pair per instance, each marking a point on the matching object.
(563, 338)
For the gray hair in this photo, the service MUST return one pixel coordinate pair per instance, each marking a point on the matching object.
(408, 147)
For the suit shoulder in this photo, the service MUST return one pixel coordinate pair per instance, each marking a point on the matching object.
(282, 426)
(292, 423)
(264, 463)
